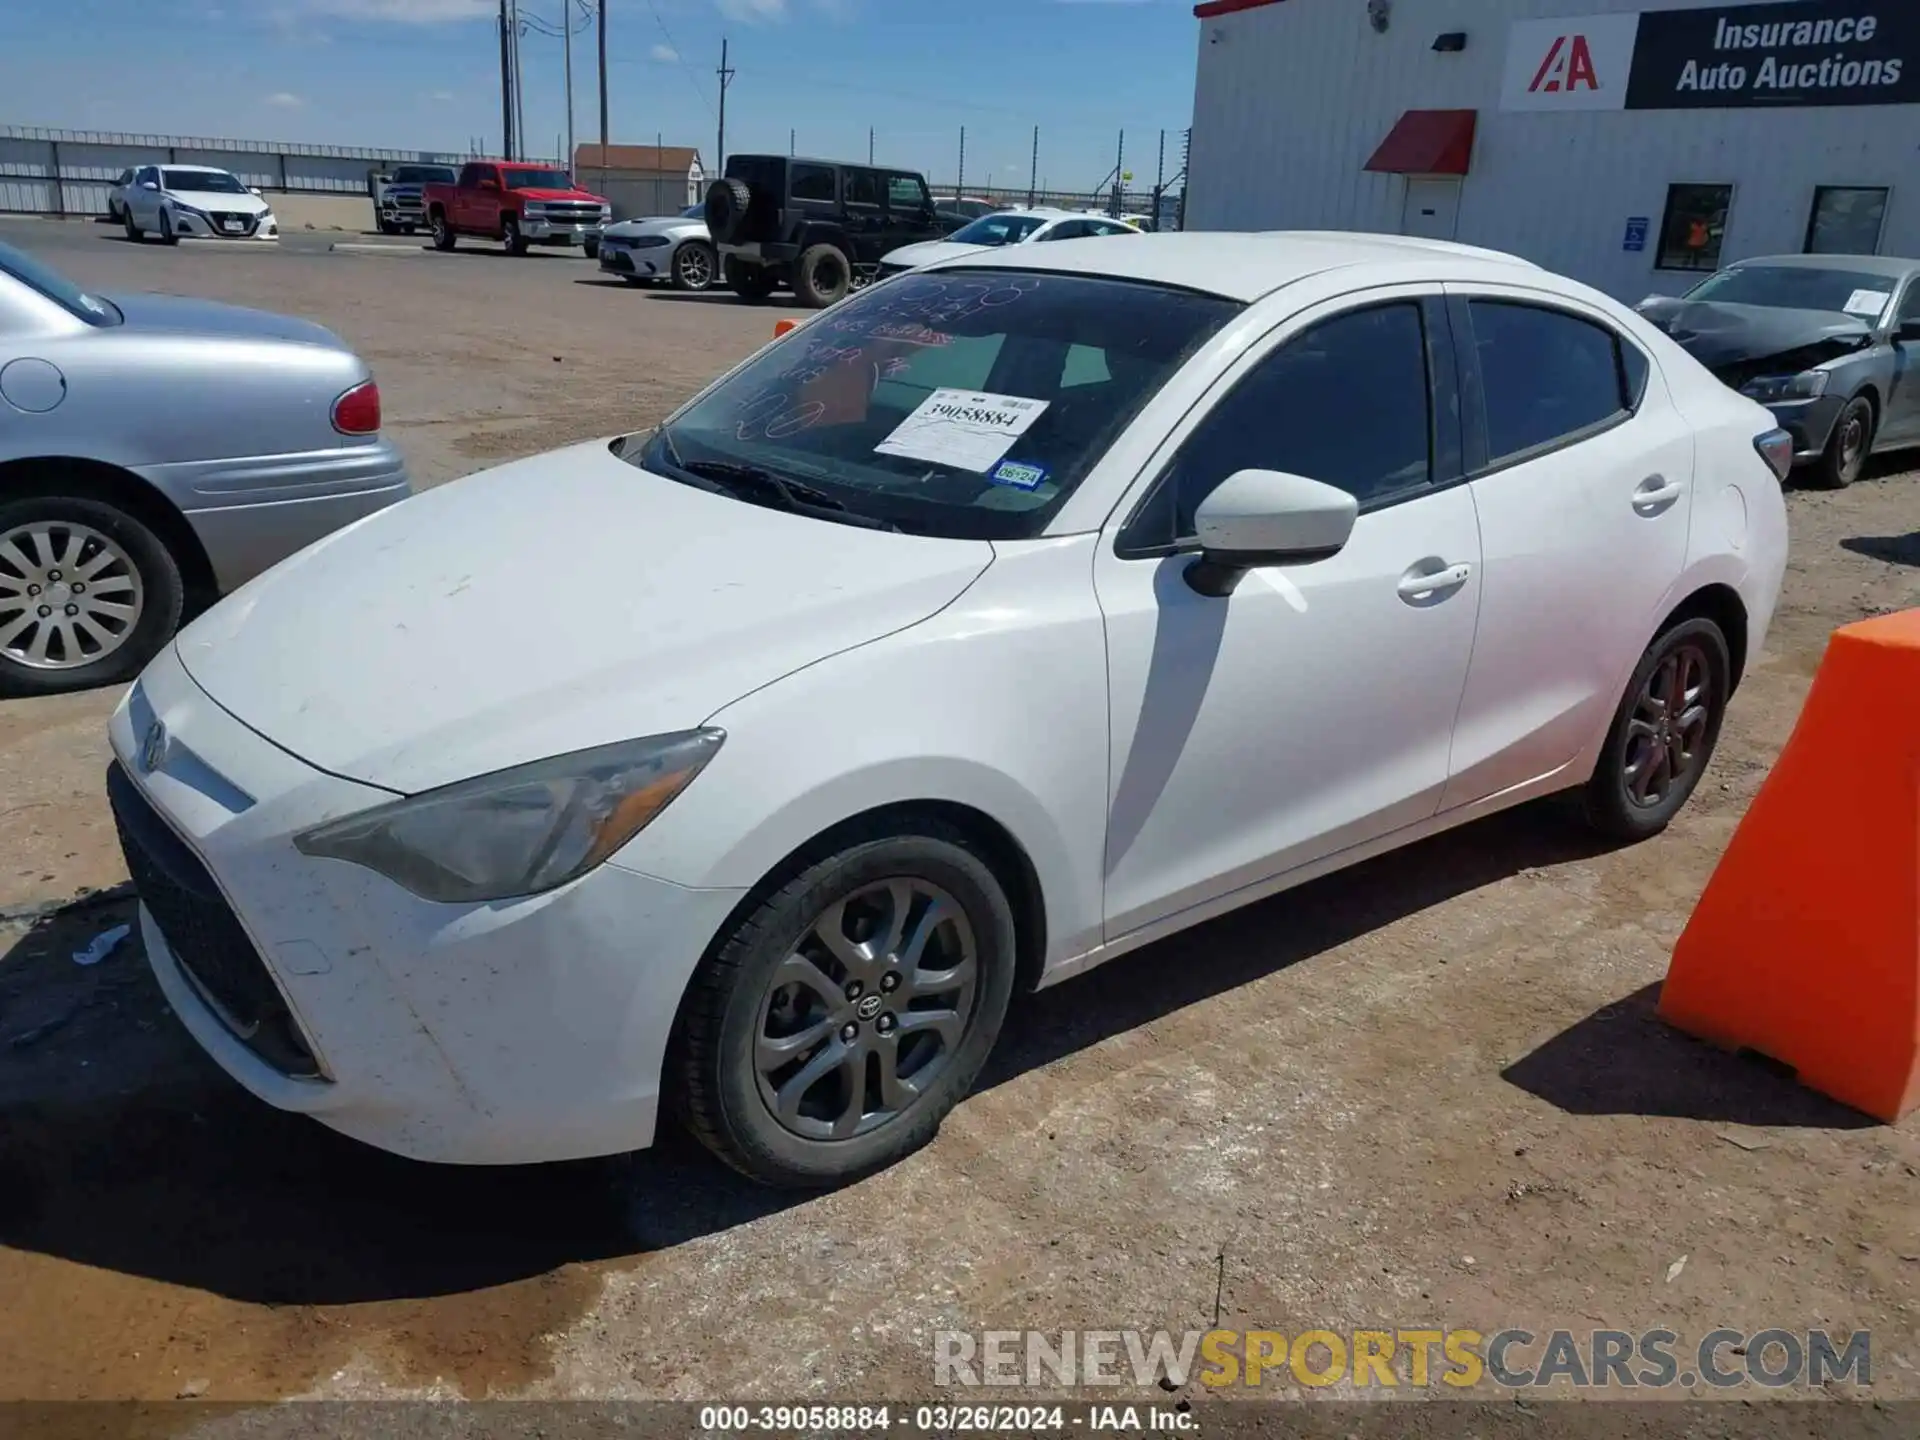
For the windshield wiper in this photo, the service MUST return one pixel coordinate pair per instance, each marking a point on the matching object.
(753, 484)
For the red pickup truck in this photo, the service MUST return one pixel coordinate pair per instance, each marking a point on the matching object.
(518, 205)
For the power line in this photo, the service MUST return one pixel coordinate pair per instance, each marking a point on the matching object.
(679, 57)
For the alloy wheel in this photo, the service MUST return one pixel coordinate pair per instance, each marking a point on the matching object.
(1668, 730)
(1853, 443)
(867, 1011)
(69, 595)
(696, 267)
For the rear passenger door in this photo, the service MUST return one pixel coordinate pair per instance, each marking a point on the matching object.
(1582, 477)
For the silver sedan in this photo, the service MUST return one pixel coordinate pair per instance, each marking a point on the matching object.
(156, 452)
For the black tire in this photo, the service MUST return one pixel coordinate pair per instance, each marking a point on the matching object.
(592, 249)
(1623, 799)
(752, 283)
(168, 236)
(1848, 446)
(134, 232)
(162, 593)
(727, 204)
(694, 267)
(822, 276)
(735, 995)
(409, 229)
(443, 236)
(387, 227)
(510, 235)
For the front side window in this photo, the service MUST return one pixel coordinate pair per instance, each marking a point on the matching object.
(1694, 227)
(1858, 293)
(471, 177)
(213, 182)
(1345, 402)
(124, 178)
(967, 404)
(1846, 220)
(906, 192)
(863, 188)
(813, 182)
(1545, 375)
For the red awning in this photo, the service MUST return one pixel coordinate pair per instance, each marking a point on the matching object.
(1427, 142)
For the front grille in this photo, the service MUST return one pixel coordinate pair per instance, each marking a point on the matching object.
(568, 213)
(224, 220)
(206, 937)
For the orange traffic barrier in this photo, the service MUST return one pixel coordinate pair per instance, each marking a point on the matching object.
(781, 327)
(1806, 945)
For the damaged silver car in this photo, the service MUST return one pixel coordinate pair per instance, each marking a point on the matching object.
(1829, 343)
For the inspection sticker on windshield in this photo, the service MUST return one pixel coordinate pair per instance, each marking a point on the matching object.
(963, 429)
(1868, 303)
(1019, 474)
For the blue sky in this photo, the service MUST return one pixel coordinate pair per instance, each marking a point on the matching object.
(423, 74)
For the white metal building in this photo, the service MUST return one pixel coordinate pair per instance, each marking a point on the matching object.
(1633, 144)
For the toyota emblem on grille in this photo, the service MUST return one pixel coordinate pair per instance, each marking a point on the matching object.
(153, 747)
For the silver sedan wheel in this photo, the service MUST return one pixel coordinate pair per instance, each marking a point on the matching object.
(868, 1010)
(69, 595)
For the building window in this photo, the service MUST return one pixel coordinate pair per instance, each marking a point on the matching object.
(1846, 220)
(1695, 225)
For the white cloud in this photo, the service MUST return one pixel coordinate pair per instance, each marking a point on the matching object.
(405, 12)
(753, 12)
(443, 96)
(285, 100)
(665, 54)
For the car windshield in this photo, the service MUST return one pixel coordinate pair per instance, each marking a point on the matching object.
(539, 180)
(43, 280)
(1858, 293)
(998, 229)
(967, 404)
(214, 182)
(694, 212)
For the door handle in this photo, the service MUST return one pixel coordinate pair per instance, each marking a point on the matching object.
(1656, 493)
(1419, 586)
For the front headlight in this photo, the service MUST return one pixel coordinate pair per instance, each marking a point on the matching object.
(520, 831)
(1772, 389)
(648, 242)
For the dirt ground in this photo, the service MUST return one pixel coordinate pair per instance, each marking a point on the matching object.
(1427, 1091)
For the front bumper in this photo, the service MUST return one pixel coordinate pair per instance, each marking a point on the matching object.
(650, 262)
(223, 226)
(1810, 423)
(515, 1032)
(548, 231)
(251, 512)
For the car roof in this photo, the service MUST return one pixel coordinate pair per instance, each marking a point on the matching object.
(1242, 266)
(1889, 265)
(192, 169)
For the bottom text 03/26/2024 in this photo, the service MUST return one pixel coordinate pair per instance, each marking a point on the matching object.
(720, 1422)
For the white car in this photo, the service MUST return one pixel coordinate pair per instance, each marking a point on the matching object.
(1003, 227)
(198, 202)
(671, 248)
(996, 621)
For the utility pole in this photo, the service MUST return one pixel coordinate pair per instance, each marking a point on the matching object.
(725, 72)
(1033, 175)
(506, 87)
(602, 38)
(960, 180)
(566, 42)
(519, 86)
(1120, 177)
(1159, 179)
(870, 144)
(790, 143)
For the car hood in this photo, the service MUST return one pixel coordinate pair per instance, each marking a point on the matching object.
(928, 251)
(220, 200)
(674, 227)
(183, 315)
(1719, 335)
(580, 195)
(556, 603)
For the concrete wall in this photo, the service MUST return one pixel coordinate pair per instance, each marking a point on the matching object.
(1292, 98)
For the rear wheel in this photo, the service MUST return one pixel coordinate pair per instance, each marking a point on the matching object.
(750, 282)
(1845, 457)
(443, 236)
(822, 276)
(1663, 733)
(849, 1011)
(693, 266)
(88, 594)
(510, 235)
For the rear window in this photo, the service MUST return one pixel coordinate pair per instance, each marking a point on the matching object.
(967, 404)
(45, 280)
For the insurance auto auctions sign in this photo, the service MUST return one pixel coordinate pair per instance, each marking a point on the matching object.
(1800, 53)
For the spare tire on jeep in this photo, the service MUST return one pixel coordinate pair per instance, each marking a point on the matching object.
(727, 205)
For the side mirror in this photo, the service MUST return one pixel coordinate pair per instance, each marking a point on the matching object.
(1266, 517)
(253, 190)
(149, 185)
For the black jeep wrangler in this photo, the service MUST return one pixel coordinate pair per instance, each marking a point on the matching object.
(817, 226)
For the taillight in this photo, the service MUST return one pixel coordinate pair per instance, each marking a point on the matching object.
(1776, 448)
(358, 411)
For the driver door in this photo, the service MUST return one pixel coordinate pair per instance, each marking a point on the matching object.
(1313, 708)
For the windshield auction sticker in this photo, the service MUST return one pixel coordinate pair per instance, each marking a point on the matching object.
(1868, 303)
(962, 429)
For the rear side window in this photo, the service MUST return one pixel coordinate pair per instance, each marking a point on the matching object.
(813, 182)
(1547, 376)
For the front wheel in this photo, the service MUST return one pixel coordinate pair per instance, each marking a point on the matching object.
(134, 232)
(1663, 733)
(387, 227)
(510, 235)
(168, 235)
(693, 266)
(1848, 446)
(88, 595)
(831, 1033)
(443, 236)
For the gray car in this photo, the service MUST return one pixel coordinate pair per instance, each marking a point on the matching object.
(1829, 343)
(156, 452)
(674, 248)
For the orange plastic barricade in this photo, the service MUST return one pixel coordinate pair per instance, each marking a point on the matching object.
(1806, 945)
(781, 327)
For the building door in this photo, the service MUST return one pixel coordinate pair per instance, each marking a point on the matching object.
(1432, 207)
